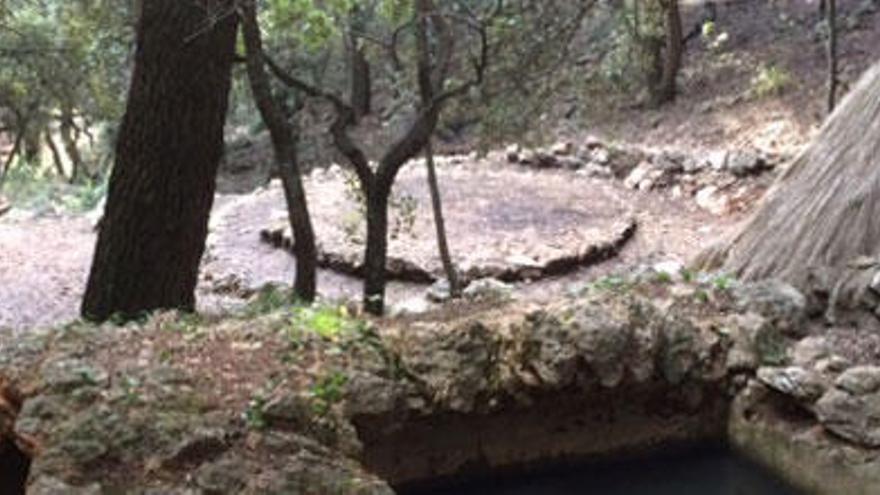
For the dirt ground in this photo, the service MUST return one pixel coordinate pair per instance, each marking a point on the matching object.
(45, 261)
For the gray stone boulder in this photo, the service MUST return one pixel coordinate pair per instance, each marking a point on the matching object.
(851, 409)
(488, 289)
(783, 305)
(805, 386)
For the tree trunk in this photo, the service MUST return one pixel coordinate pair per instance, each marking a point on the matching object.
(361, 81)
(56, 155)
(666, 90)
(440, 224)
(31, 145)
(71, 148)
(822, 213)
(16, 149)
(360, 77)
(284, 144)
(832, 55)
(376, 254)
(169, 147)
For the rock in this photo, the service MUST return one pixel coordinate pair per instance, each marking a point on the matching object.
(670, 268)
(288, 410)
(562, 148)
(692, 164)
(439, 291)
(783, 305)
(47, 485)
(411, 306)
(197, 447)
(488, 289)
(743, 163)
(749, 334)
(596, 171)
(875, 283)
(513, 153)
(68, 374)
(455, 365)
(592, 142)
(539, 159)
(370, 395)
(860, 380)
(522, 261)
(228, 475)
(711, 199)
(852, 409)
(718, 160)
(669, 162)
(809, 351)
(804, 386)
(570, 163)
(600, 156)
(644, 177)
(832, 365)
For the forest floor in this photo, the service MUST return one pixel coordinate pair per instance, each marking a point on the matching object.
(43, 281)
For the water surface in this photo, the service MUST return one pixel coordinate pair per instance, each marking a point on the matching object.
(702, 471)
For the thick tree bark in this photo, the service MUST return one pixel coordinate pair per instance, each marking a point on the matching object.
(821, 217)
(284, 144)
(170, 144)
(440, 224)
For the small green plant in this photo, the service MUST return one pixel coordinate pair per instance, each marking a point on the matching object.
(33, 187)
(687, 275)
(268, 299)
(701, 296)
(130, 389)
(663, 278)
(608, 283)
(327, 391)
(722, 282)
(253, 415)
(85, 197)
(185, 323)
(770, 80)
(330, 323)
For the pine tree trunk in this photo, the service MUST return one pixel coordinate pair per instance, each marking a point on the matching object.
(169, 147)
(376, 254)
(284, 144)
(822, 214)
